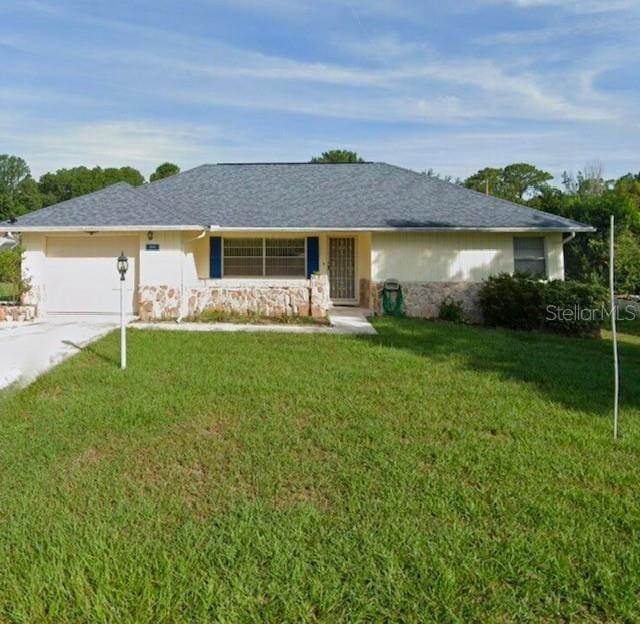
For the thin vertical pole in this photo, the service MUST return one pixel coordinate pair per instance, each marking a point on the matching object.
(123, 331)
(616, 380)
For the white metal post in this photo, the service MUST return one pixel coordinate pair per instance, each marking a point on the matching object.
(616, 380)
(123, 330)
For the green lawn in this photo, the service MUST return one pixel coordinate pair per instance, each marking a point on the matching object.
(432, 473)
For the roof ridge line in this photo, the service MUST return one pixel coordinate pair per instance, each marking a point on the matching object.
(292, 162)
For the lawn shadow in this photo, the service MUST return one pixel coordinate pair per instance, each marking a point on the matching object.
(574, 372)
(90, 349)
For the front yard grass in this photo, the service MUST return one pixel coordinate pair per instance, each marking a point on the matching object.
(432, 473)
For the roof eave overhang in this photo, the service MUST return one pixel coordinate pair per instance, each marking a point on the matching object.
(215, 228)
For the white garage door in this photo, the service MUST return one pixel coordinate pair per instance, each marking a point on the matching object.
(82, 277)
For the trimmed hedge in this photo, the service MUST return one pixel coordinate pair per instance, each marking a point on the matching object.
(521, 302)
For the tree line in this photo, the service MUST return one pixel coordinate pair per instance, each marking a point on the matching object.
(586, 196)
(21, 193)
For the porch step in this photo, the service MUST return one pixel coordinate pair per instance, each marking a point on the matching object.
(351, 320)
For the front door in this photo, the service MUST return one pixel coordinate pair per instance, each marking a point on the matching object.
(342, 269)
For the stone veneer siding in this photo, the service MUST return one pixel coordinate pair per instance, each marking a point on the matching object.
(12, 312)
(288, 298)
(157, 303)
(423, 299)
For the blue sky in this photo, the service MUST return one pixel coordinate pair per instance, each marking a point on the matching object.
(452, 86)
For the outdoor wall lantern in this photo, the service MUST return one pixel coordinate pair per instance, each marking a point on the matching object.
(150, 235)
(123, 267)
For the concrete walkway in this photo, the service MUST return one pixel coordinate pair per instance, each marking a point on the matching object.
(350, 320)
(343, 319)
(29, 349)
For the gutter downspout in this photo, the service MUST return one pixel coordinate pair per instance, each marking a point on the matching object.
(184, 243)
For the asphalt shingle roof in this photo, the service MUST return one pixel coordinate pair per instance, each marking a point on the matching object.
(337, 196)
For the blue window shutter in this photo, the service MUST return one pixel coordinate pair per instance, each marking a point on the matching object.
(313, 255)
(215, 257)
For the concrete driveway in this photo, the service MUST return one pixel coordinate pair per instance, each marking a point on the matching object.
(29, 349)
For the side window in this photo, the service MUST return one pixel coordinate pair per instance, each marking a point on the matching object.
(528, 255)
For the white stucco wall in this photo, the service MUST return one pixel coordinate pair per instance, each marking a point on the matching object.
(162, 266)
(33, 267)
(452, 256)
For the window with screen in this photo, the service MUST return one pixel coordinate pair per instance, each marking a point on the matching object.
(529, 256)
(243, 257)
(264, 257)
(284, 257)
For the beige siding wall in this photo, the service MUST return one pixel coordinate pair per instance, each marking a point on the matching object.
(199, 250)
(452, 256)
(554, 250)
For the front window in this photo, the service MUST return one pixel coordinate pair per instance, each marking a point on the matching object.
(264, 257)
(529, 256)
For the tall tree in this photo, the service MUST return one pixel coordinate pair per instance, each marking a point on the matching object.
(587, 257)
(338, 156)
(16, 187)
(522, 179)
(13, 170)
(164, 171)
(516, 182)
(68, 183)
(28, 196)
(589, 181)
(629, 186)
(487, 180)
(132, 176)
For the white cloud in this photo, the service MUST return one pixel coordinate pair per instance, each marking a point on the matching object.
(514, 94)
(411, 72)
(141, 144)
(377, 73)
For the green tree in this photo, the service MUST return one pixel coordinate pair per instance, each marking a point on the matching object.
(337, 156)
(68, 183)
(18, 190)
(587, 257)
(164, 171)
(627, 263)
(629, 186)
(589, 181)
(27, 196)
(132, 176)
(13, 170)
(487, 180)
(514, 182)
(522, 179)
